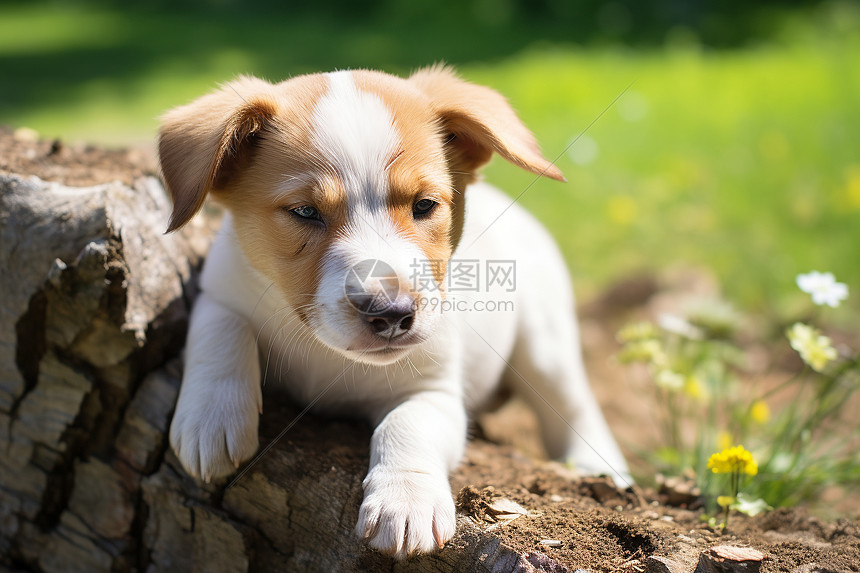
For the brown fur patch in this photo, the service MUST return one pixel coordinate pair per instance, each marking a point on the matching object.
(284, 247)
(483, 122)
(203, 143)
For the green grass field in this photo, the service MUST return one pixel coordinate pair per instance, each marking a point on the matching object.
(741, 160)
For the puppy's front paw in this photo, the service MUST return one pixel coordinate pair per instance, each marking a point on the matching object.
(214, 431)
(406, 512)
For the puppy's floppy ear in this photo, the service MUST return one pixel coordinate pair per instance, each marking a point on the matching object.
(202, 144)
(479, 121)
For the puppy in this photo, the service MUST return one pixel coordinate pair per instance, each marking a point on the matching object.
(353, 207)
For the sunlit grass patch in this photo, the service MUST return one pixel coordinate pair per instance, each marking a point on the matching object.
(740, 161)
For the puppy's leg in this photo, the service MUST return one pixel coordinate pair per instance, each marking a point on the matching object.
(214, 428)
(551, 377)
(407, 505)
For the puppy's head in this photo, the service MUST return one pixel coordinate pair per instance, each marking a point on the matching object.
(346, 189)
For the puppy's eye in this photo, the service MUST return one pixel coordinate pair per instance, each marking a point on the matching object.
(423, 207)
(307, 212)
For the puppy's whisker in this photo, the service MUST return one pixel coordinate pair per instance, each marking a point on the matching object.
(307, 356)
(279, 359)
(292, 343)
(417, 370)
(298, 337)
(428, 354)
(259, 300)
(388, 379)
(262, 326)
(271, 344)
(293, 333)
(295, 342)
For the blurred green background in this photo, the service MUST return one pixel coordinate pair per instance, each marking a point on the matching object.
(736, 148)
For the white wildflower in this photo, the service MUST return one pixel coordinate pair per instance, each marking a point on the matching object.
(680, 326)
(814, 348)
(823, 288)
(669, 380)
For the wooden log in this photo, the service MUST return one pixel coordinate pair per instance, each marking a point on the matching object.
(94, 296)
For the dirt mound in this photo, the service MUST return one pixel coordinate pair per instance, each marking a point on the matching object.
(79, 165)
(589, 524)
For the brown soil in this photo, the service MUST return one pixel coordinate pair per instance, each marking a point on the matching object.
(79, 165)
(589, 524)
(578, 523)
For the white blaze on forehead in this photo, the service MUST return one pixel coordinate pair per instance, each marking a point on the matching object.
(354, 132)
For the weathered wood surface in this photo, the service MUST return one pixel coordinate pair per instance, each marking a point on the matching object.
(93, 295)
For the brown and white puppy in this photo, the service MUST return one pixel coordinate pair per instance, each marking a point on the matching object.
(352, 196)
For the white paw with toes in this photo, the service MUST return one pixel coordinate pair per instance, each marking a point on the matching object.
(406, 512)
(213, 435)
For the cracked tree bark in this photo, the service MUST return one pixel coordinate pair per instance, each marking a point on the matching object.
(93, 313)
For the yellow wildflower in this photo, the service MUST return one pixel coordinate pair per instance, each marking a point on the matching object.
(814, 348)
(852, 187)
(694, 389)
(649, 351)
(643, 330)
(726, 500)
(621, 210)
(731, 460)
(760, 412)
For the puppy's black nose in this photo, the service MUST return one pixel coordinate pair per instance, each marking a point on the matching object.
(393, 320)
